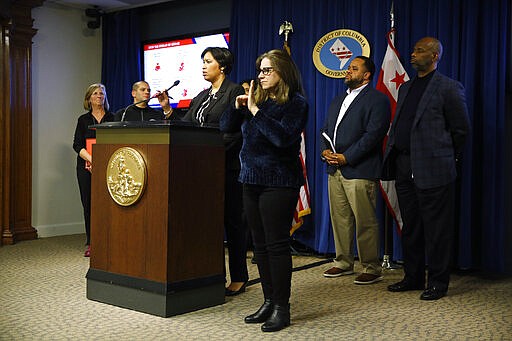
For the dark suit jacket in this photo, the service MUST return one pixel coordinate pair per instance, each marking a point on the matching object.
(225, 97)
(360, 133)
(438, 132)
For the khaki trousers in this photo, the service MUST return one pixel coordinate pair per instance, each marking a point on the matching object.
(352, 205)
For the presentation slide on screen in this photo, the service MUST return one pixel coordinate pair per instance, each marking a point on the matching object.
(168, 61)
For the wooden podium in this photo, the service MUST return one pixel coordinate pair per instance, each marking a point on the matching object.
(164, 254)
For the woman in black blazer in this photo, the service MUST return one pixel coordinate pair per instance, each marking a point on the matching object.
(206, 109)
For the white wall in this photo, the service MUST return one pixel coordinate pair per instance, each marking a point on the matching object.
(66, 60)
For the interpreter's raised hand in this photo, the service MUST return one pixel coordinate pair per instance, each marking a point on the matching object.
(251, 104)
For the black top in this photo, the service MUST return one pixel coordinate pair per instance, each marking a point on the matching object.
(82, 133)
(408, 112)
(215, 104)
(134, 113)
(212, 113)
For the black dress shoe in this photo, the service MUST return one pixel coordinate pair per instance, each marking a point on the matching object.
(262, 314)
(230, 292)
(432, 294)
(279, 319)
(405, 285)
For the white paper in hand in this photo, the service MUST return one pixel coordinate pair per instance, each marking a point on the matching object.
(328, 139)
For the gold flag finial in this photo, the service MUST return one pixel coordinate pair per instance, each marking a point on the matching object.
(286, 28)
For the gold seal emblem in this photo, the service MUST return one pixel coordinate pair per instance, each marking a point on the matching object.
(126, 176)
(333, 52)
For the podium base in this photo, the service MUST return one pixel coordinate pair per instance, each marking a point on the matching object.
(160, 303)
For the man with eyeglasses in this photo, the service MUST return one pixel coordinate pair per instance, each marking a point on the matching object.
(351, 141)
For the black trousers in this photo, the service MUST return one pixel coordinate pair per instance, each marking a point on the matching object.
(236, 231)
(84, 184)
(429, 227)
(269, 212)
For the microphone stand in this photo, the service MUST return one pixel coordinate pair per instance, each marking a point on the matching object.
(133, 104)
(147, 100)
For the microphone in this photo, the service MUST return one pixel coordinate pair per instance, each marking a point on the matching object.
(169, 88)
(124, 112)
(147, 100)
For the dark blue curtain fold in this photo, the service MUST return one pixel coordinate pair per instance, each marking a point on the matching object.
(121, 65)
(474, 35)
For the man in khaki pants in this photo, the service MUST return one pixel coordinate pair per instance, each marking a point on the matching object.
(351, 145)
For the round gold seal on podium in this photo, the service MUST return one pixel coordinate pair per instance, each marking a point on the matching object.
(126, 176)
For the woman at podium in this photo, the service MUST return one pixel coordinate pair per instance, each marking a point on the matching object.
(273, 116)
(97, 107)
(206, 109)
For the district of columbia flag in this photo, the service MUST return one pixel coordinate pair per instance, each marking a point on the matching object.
(302, 208)
(392, 75)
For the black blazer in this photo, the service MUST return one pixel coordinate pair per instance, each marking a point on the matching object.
(224, 98)
(438, 132)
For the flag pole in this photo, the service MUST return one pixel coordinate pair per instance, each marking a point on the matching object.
(387, 262)
(286, 28)
(303, 205)
(392, 16)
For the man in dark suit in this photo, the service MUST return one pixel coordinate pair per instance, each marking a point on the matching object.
(356, 124)
(425, 141)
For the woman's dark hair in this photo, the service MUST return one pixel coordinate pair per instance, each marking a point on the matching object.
(223, 56)
(368, 64)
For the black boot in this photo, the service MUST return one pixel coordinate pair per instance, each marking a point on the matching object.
(262, 314)
(279, 319)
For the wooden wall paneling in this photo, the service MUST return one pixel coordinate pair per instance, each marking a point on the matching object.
(5, 145)
(16, 122)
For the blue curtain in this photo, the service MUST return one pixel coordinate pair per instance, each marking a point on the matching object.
(474, 35)
(121, 65)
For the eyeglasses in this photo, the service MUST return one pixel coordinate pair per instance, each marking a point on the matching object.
(266, 70)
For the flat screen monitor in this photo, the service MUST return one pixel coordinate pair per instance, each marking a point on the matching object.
(168, 60)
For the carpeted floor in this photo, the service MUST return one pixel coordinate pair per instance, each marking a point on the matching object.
(42, 297)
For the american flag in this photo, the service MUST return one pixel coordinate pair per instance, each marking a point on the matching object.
(303, 201)
(302, 208)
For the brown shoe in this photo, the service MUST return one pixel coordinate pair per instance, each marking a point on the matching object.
(337, 272)
(366, 278)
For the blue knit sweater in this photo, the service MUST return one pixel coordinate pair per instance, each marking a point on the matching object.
(271, 142)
